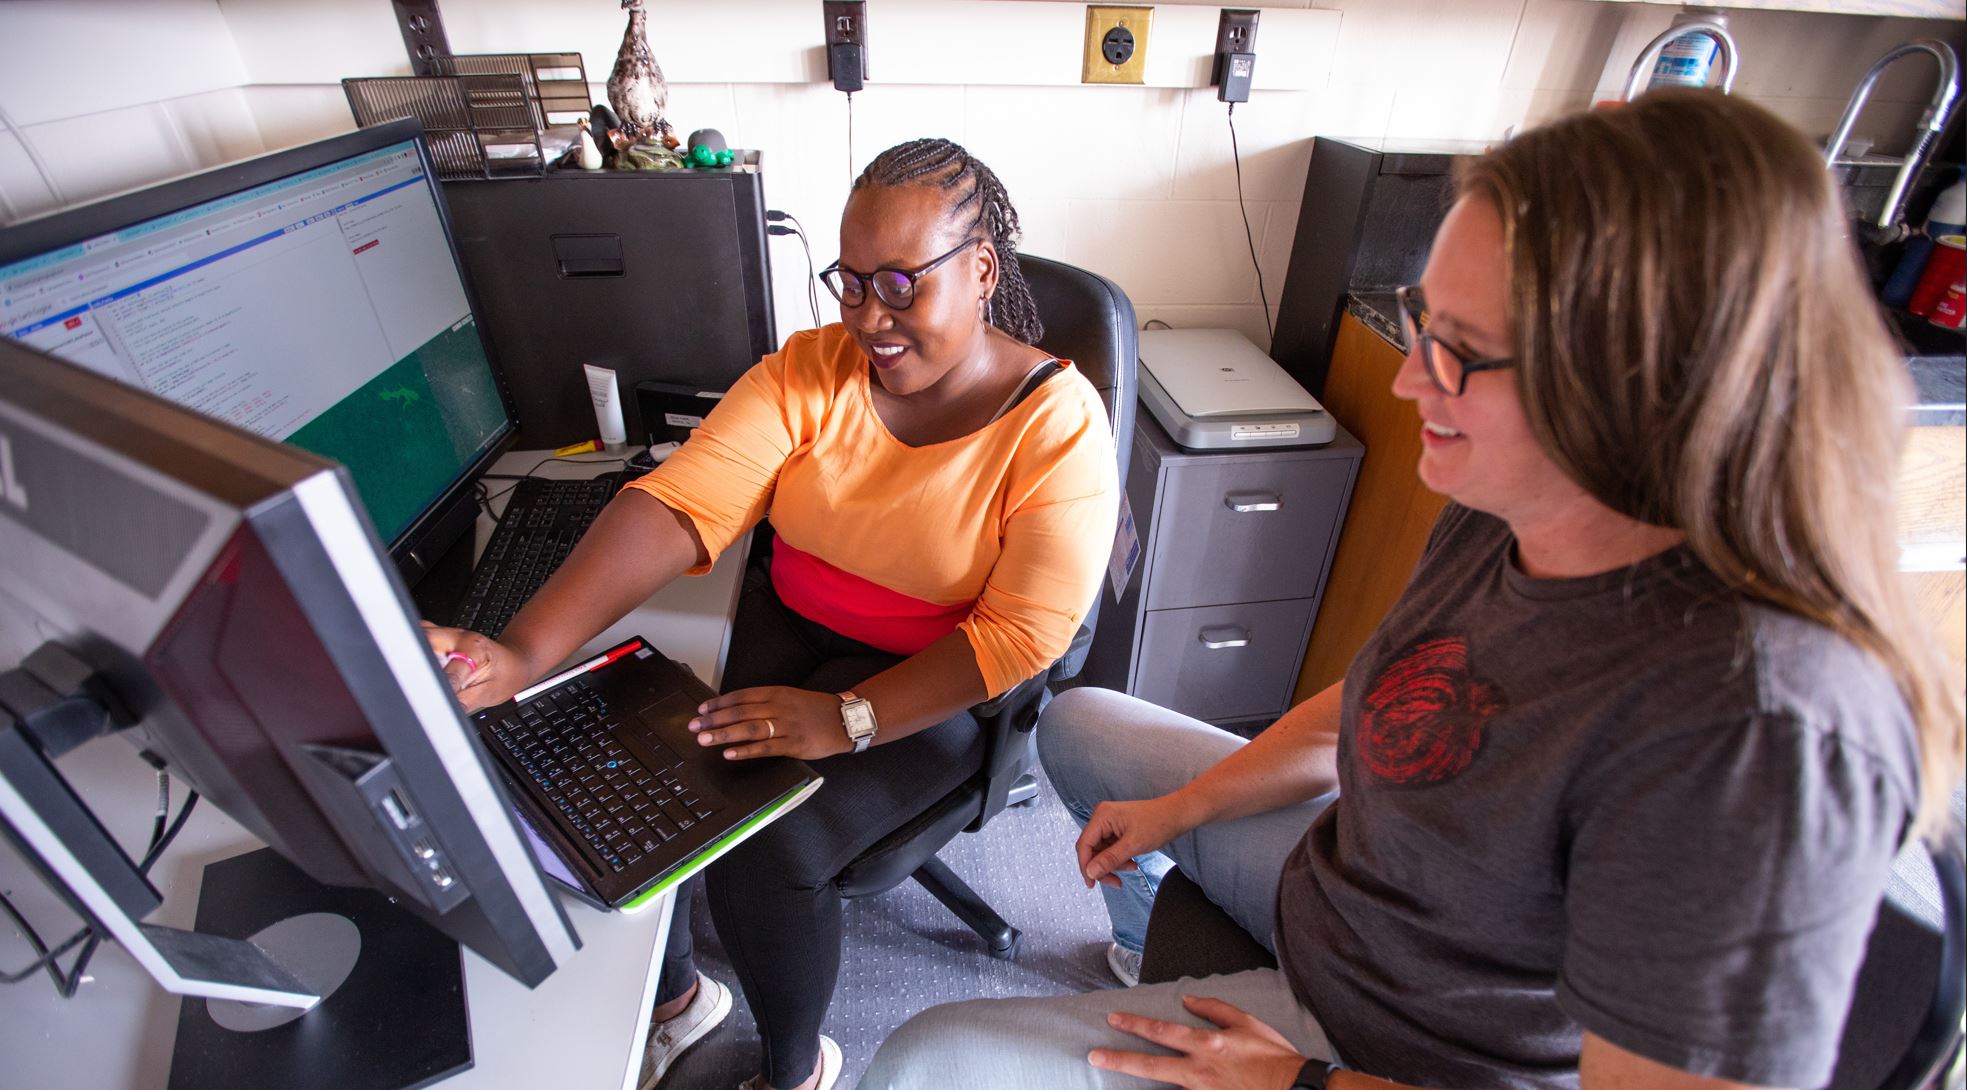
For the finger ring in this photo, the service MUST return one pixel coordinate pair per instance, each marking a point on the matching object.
(770, 730)
(453, 656)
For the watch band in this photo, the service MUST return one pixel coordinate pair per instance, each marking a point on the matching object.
(1314, 1075)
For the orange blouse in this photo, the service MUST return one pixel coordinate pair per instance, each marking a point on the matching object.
(1016, 517)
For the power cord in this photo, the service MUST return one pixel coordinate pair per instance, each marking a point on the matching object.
(486, 496)
(1249, 236)
(161, 837)
(777, 227)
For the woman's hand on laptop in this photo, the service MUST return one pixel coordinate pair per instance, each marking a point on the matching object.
(772, 721)
(482, 671)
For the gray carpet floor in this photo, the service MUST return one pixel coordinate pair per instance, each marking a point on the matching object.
(904, 951)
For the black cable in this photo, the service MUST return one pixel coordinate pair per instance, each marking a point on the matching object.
(850, 138)
(812, 280)
(545, 460)
(1248, 236)
(161, 837)
(47, 958)
(484, 497)
(157, 846)
(488, 497)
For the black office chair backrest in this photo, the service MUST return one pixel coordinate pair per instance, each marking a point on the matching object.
(1090, 321)
(1905, 1021)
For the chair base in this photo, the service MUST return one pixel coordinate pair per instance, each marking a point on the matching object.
(1023, 790)
(955, 894)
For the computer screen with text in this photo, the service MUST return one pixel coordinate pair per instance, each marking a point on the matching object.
(323, 309)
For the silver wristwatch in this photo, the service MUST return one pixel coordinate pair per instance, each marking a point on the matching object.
(857, 716)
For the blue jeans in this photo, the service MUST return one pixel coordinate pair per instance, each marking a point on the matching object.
(1100, 746)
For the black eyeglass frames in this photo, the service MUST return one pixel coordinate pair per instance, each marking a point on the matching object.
(894, 287)
(1447, 365)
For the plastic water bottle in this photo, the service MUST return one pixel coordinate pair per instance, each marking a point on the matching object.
(1687, 60)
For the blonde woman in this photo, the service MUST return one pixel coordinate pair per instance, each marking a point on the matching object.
(1620, 777)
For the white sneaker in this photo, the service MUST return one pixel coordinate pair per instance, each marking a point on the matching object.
(829, 1068)
(668, 1040)
(1125, 963)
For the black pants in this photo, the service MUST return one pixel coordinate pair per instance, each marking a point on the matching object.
(773, 898)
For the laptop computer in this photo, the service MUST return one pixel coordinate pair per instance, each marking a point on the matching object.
(619, 801)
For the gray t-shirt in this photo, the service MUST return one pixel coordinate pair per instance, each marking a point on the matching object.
(1632, 803)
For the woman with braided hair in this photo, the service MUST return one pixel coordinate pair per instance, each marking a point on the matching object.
(942, 496)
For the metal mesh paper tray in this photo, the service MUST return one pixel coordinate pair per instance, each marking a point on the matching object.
(555, 82)
(480, 125)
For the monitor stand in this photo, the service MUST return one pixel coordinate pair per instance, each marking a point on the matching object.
(396, 1020)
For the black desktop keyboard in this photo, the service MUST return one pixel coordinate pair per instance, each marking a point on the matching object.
(542, 521)
(622, 805)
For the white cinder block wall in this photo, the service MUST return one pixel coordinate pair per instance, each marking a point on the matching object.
(1135, 182)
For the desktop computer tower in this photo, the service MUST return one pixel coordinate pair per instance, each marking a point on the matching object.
(661, 276)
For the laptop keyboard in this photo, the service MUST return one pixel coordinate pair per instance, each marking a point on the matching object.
(621, 806)
(542, 521)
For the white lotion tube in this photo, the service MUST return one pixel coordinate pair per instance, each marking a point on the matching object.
(606, 392)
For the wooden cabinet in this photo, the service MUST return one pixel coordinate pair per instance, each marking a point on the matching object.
(1391, 513)
(1932, 523)
(1235, 549)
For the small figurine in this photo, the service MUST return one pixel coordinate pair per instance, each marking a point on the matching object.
(636, 89)
(590, 155)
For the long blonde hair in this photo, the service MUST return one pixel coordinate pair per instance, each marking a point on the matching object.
(1695, 348)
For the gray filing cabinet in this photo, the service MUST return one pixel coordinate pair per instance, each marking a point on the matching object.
(1235, 547)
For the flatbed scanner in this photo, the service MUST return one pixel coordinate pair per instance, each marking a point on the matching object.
(1211, 389)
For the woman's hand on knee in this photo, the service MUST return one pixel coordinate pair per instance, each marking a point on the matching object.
(1119, 831)
(772, 721)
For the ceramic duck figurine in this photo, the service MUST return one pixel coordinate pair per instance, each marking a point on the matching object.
(635, 88)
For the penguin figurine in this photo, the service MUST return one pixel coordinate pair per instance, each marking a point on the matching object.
(590, 155)
(636, 89)
(601, 122)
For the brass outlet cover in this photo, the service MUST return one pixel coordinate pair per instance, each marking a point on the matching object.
(1099, 20)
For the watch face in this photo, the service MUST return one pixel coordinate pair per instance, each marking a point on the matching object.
(858, 718)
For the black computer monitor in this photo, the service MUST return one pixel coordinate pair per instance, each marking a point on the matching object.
(310, 296)
(224, 600)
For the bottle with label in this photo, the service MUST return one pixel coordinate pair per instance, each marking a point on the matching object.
(1687, 60)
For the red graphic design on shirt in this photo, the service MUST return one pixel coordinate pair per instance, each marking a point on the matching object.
(1422, 722)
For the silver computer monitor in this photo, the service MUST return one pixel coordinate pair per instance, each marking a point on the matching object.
(234, 609)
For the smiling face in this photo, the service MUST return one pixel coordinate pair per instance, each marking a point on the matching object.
(1477, 449)
(943, 331)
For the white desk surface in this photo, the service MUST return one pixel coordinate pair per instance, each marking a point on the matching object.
(582, 1028)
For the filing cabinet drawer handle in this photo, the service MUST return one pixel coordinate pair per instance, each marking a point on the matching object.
(1219, 636)
(1244, 502)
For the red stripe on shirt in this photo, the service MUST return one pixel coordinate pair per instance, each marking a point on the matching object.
(857, 608)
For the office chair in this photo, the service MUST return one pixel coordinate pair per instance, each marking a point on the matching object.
(1089, 321)
(1904, 1028)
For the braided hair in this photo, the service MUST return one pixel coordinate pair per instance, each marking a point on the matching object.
(977, 194)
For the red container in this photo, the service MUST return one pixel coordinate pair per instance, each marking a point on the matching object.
(1951, 308)
(1947, 267)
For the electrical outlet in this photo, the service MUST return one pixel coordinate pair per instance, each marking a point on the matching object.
(1116, 44)
(1236, 54)
(1236, 32)
(846, 43)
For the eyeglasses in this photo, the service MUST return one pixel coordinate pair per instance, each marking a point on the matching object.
(894, 287)
(1446, 364)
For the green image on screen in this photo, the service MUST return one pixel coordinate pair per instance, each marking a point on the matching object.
(408, 432)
